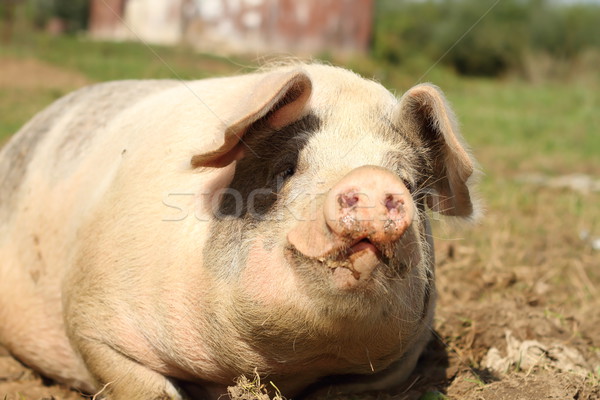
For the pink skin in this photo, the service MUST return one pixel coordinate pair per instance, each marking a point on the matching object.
(267, 277)
(366, 210)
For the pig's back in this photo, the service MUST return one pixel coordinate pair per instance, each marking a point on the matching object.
(49, 172)
(56, 140)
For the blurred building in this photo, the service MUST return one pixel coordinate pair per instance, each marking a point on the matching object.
(238, 25)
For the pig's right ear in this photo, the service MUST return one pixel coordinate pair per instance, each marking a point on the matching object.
(425, 114)
(279, 98)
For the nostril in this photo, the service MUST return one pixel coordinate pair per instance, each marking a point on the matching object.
(393, 202)
(348, 199)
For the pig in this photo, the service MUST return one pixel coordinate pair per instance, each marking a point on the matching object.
(160, 238)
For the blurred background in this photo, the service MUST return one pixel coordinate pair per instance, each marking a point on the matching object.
(522, 75)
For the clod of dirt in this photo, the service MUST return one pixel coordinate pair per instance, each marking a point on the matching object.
(11, 369)
(246, 389)
(564, 386)
(18, 382)
(529, 354)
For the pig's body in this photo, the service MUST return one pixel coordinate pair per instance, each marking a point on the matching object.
(116, 273)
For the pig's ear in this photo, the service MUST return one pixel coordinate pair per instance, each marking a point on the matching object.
(278, 97)
(424, 111)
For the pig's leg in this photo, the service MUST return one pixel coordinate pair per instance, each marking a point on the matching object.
(121, 378)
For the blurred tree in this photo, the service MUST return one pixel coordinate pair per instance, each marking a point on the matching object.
(7, 16)
(497, 39)
(483, 37)
(404, 29)
(73, 13)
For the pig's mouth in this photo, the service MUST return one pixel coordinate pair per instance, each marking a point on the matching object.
(350, 265)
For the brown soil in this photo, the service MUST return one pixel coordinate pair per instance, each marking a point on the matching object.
(34, 74)
(466, 329)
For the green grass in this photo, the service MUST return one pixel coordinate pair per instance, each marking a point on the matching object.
(97, 61)
(18, 105)
(102, 61)
(549, 127)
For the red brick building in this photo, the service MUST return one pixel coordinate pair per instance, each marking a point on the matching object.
(239, 25)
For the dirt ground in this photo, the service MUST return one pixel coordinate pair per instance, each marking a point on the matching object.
(33, 74)
(518, 314)
(564, 358)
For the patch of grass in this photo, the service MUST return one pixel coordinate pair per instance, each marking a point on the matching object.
(102, 61)
(519, 127)
(97, 61)
(555, 315)
(476, 381)
(467, 322)
(17, 105)
(434, 396)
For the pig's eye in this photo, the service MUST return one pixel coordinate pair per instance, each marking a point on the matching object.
(284, 174)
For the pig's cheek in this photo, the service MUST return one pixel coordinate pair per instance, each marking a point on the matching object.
(267, 276)
(412, 252)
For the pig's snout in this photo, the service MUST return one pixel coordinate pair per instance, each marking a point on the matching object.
(369, 203)
(363, 215)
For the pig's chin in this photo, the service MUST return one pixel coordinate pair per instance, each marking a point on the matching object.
(347, 268)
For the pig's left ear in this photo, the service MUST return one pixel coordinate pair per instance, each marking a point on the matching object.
(424, 111)
(278, 97)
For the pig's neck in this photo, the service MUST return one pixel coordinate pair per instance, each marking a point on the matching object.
(283, 332)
